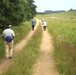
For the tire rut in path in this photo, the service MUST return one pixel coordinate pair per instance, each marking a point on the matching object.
(45, 64)
(5, 63)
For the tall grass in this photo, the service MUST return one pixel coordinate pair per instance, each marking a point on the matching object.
(20, 32)
(64, 34)
(26, 58)
(64, 41)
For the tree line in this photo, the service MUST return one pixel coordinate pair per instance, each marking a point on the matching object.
(16, 11)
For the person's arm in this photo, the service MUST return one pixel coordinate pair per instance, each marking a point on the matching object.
(13, 35)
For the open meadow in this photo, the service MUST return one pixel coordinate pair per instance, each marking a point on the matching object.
(62, 26)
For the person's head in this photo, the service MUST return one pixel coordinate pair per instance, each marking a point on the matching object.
(43, 20)
(9, 26)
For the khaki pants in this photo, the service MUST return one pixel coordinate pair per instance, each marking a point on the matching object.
(8, 49)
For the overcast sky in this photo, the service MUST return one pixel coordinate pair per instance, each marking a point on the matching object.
(43, 5)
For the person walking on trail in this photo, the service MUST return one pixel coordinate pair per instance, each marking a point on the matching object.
(44, 25)
(8, 37)
(33, 23)
(42, 21)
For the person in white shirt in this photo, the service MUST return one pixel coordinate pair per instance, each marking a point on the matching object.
(8, 37)
(44, 25)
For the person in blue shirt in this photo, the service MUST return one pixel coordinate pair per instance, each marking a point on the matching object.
(33, 23)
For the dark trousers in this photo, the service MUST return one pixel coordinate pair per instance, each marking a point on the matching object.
(44, 28)
(33, 27)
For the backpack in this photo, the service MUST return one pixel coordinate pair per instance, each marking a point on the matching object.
(8, 39)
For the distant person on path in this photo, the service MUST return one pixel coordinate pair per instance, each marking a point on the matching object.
(33, 23)
(42, 21)
(8, 37)
(44, 25)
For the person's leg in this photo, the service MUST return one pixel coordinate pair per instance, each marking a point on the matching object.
(45, 28)
(6, 49)
(11, 49)
(33, 27)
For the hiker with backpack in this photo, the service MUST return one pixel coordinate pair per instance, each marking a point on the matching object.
(8, 37)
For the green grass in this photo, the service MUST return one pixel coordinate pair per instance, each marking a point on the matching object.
(20, 32)
(26, 58)
(64, 34)
(64, 41)
(63, 30)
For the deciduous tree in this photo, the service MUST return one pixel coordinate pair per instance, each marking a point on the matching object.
(16, 11)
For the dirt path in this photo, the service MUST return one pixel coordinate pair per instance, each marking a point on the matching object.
(45, 64)
(6, 63)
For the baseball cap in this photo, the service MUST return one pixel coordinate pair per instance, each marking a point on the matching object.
(9, 25)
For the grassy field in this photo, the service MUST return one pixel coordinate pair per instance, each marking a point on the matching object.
(26, 58)
(63, 30)
(20, 32)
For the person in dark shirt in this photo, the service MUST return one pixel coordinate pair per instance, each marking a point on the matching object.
(33, 23)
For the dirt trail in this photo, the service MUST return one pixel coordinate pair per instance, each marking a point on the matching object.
(6, 63)
(45, 64)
